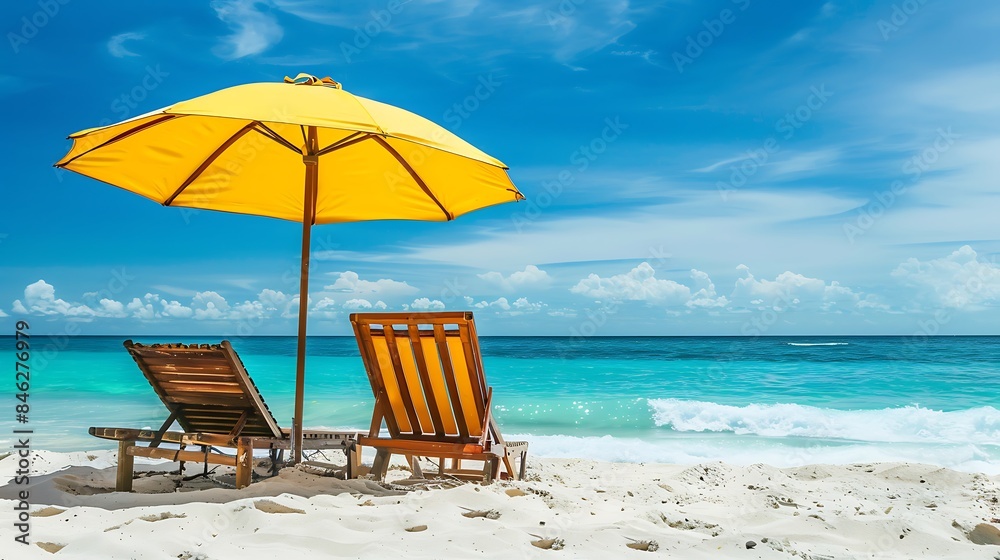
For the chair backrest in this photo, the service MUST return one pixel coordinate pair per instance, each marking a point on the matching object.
(206, 388)
(429, 368)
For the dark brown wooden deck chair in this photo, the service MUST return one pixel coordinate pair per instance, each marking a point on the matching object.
(210, 395)
(430, 391)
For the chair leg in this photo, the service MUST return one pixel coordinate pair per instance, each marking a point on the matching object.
(244, 462)
(490, 468)
(275, 456)
(524, 463)
(351, 450)
(415, 470)
(126, 463)
(381, 464)
(508, 467)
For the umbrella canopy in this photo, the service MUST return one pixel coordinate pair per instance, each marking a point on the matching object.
(304, 150)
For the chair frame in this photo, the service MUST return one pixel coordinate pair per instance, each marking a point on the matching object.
(484, 444)
(184, 376)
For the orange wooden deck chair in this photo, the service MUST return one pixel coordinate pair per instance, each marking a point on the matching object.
(210, 395)
(430, 391)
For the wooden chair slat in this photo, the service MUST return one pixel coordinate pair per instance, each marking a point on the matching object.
(405, 399)
(427, 397)
(448, 370)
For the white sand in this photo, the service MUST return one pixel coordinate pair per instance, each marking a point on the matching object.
(888, 510)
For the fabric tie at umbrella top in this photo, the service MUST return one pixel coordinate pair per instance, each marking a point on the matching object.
(304, 150)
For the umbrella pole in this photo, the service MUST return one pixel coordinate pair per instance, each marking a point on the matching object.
(311, 162)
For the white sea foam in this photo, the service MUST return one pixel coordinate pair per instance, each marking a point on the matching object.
(747, 450)
(910, 424)
(817, 343)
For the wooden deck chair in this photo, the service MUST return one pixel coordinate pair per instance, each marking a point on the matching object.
(431, 393)
(210, 395)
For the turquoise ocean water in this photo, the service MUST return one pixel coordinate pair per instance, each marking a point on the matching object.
(780, 400)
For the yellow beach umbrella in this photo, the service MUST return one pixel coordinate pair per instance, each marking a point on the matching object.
(304, 150)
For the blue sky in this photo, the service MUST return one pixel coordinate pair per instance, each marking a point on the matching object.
(728, 167)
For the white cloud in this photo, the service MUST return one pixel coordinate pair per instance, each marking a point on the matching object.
(40, 299)
(503, 307)
(359, 304)
(2, 314)
(175, 309)
(705, 297)
(210, 306)
(499, 303)
(531, 275)
(639, 284)
(350, 282)
(522, 305)
(254, 31)
(425, 304)
(112, 308)
(325, 308)
(273, 300)
(790, 289)
(247, 310)
(958, 281)
(787, 290)
(116, 45)
(141, 310)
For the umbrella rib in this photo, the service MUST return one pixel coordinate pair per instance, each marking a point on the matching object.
(345, 142)
(267, 132)
(121, 136)
(448, 215)
(209, 160)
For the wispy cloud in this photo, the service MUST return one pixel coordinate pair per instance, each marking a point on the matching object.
(563, 32)
(116, 45)
(253, 29)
